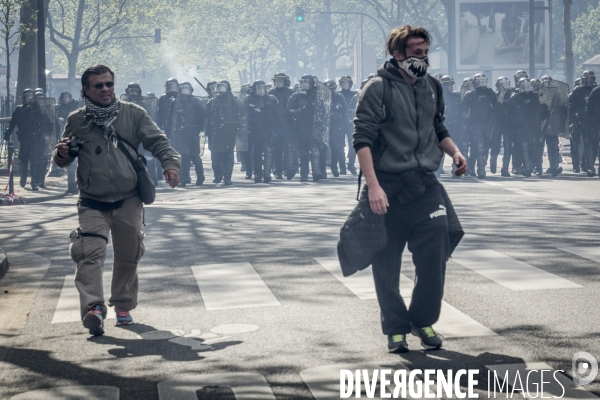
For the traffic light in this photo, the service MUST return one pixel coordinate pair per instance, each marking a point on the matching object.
(299, 15)
(157, 36)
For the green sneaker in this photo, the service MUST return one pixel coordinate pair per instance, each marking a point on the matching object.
(429, 338)
(397, 343)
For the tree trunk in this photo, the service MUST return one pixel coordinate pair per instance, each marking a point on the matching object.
(27, 68)
(71, 76)
(569, 61)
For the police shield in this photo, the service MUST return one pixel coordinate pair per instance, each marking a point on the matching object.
(554, 101)
(463, 91)
(322, 113)
(44, 120)
(150, 104)
(183, 124)
(492, 127)
(242, 140)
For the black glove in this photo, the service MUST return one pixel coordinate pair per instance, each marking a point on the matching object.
(6, 136)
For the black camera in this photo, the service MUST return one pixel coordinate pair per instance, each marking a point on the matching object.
(74, 146)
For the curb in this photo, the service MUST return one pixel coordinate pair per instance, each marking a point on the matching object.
(41, 199)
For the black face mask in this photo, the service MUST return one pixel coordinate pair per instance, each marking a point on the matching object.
(415, 67)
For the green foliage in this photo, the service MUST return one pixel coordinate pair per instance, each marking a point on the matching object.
(586, 30)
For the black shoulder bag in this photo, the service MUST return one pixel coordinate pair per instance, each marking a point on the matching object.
(364, 233)
(146, 189)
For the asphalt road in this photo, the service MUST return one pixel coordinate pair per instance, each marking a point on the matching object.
(236, 282)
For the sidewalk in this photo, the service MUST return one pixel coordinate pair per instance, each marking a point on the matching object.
(56, 187)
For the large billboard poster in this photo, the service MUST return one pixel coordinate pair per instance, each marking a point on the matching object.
(492, 34)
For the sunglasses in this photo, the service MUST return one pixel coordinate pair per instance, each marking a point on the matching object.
(99, 86)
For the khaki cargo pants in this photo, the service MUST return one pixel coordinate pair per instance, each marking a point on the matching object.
(88, 250)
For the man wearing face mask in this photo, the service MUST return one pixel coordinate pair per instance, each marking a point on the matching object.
(223, 123)
(399, 147)
(283, 152)
(262, 121)
(164, 103)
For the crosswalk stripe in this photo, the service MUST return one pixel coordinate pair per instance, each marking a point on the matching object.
(591, 253)
(232, 285)
(552, 382)
(508, 272)
(72, 392)
(245, 386)
(67, 309)
(324, 382)
(452, 322)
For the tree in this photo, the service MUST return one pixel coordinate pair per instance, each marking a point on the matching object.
(81, 25)
(568, 42)
(587, 35)
(10, 35)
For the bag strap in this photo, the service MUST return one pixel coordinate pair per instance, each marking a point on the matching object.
(134, 163)
(387, 121)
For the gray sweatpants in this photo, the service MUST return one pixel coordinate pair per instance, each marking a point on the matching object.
(89, 252)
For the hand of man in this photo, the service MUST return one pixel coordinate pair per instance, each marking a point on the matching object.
(172, 178)
(461, 163)
(62, 148)
(378, 200)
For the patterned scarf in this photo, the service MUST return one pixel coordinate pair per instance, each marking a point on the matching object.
(104, 117)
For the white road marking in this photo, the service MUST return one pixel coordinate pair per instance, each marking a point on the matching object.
(230, 329)
(245, 386)
(452, 322)
(233, 285)
(19, 287)
(361, 283)
(556, 202)
(591, 253)
(72, 392)
(508, 272)
(324, 382)
(191, 343)
(67, 309)
(552, 387)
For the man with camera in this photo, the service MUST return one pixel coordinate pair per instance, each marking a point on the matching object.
(108, 193)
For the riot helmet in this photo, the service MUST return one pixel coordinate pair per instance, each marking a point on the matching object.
(346, 82)
(330, 83)
(133, 90)
(447, 83)
(212, 86)
(27, 95)
(546, 78)
(223, 87)
(525, 85)
(65, 98)
(307, 82)
(281, 80)
(588, 78)
(150, 94)
(39, 93)
(186, 88)
(468, 84)
(259, 88)
(480, 80)
(535, 85)
(363, 83)
(502, 83)
(245, 89)
(171, 85)
(577, 83)
(520, 74)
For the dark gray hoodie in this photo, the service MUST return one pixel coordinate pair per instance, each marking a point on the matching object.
(412, 138)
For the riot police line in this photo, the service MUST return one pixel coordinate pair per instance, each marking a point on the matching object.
(279, 131)
(523, 121)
